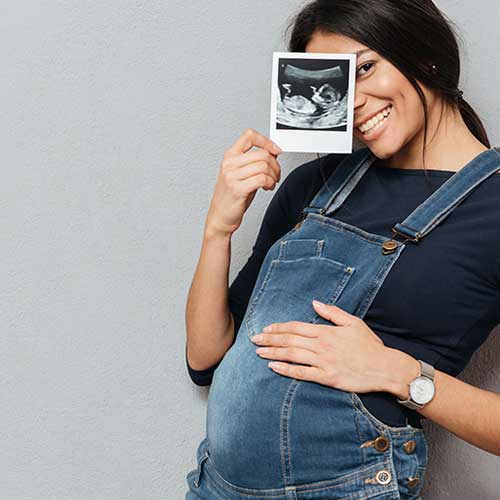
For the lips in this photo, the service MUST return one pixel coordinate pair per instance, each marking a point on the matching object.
(379, 129)
(369, 117)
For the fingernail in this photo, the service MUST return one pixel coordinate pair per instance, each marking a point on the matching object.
(277, 149)
(319, 304)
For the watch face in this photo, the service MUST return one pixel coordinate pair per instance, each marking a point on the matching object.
(422, 390)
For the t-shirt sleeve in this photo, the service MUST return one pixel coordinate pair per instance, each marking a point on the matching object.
(281, 215)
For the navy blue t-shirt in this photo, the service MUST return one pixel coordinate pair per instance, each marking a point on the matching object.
(441, 298)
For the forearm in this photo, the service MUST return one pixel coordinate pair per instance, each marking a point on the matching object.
(209, 323)
(471, 413)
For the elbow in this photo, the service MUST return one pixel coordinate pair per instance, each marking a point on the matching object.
(201, 378)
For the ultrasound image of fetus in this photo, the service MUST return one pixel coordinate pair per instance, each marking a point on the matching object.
(312, 99)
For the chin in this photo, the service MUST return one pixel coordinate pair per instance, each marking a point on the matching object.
(377, 148)
(383, 154)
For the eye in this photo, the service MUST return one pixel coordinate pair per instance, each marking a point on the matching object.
(370, 64)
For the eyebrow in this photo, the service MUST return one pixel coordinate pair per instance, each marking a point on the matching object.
(359, 52)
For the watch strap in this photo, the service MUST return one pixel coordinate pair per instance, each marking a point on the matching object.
(426, 370)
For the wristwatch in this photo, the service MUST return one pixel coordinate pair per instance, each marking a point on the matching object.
(422, 388)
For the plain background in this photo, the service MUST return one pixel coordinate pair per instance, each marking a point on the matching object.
(114, 119)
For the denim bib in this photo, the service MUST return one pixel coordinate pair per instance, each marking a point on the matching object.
(272, 436)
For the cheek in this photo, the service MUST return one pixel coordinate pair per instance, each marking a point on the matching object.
(413, 109)
(390, 84)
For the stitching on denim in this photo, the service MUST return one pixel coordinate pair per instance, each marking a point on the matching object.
(353, 176)
(282, 252)
(415, 465)
(375, 286)
(449, 208)
(440, 193)
(341, 286)
(343, 281)
(337, 200)
(253, 304)
(338, 482)
(199, 469)
(422, 442)
(289, 440)
(312, 258)
(220, 483)
(319, 250)
(400, 431)
(310, 252)
(452, 183)
(378, 281)
(328, 192)
(375, 239)
(367, 493)
(336, 293)
(363, 451)
(285, 440)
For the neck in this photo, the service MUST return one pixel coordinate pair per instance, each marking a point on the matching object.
(450, 144)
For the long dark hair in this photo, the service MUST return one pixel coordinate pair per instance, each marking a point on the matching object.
(413, 35)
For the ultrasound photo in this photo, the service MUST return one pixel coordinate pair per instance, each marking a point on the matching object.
(312, 101)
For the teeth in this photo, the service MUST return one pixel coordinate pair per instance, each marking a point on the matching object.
(365, 127)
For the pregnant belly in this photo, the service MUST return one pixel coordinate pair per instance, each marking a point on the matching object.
(263, 427)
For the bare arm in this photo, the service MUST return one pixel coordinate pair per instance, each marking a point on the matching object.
(209, 322)
(471, 413)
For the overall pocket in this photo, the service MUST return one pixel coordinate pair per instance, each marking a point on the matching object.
(199, 470)
(297, 276)
(378, 424)
(194, 475)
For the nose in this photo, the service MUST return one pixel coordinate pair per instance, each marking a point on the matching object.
(359, 100)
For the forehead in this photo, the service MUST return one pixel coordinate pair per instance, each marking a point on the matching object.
(332, 42)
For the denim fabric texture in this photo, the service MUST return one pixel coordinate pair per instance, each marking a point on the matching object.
(272, 436)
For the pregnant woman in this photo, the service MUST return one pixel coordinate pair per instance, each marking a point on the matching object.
(405, 259)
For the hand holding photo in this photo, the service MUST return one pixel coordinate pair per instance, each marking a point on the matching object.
(312, 102)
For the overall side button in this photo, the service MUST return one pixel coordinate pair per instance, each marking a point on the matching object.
(381, 443)
(409, 446)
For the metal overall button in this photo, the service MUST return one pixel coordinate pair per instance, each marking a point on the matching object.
(413, 482)
(381, 443)
(382, 477)
(409, 446)
(391, 245)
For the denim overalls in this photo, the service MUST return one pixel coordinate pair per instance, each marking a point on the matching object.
(274, 437)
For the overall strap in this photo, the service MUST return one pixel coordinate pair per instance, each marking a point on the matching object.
(342, 181)
(441, 203)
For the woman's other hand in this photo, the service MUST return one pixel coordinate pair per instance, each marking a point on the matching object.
(241, 173)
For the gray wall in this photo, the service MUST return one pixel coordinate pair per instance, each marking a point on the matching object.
(114, 119)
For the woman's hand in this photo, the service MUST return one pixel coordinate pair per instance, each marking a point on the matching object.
(242, 172)
(349, 356)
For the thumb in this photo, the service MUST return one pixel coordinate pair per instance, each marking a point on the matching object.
(333, 313)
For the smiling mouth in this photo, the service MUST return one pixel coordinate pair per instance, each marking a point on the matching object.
(377, 129)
